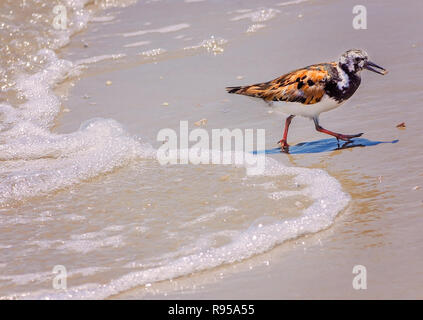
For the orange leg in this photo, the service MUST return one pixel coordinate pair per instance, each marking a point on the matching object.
(345, 137)
(284, 141)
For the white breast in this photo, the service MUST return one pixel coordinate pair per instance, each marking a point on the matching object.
(305, 110)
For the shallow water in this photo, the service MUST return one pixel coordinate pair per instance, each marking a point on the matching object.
(94, 199)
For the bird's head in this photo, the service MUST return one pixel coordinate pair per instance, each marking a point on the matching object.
(355, 60)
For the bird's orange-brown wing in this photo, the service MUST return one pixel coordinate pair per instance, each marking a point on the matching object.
(303, 85)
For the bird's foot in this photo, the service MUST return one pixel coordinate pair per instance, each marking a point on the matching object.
(284, 145)
(348, 137)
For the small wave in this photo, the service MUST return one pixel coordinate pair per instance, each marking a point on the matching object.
(214, 45)
(136, 44)
(171, 28)
(328, 200)
(103, 57)
(34, 159)
(153, 52)
(255, 27)
(288, 3)
(38, 161)
(102, 19)
(261, 15)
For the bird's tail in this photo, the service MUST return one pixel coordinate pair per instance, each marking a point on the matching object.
(234, 89)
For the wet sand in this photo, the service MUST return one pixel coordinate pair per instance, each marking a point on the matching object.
(171, 67)
(381, 229)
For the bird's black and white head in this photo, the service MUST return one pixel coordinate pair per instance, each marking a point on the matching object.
(355, 60)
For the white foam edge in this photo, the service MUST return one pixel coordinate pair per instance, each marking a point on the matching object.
(37, 161)
(329, 201)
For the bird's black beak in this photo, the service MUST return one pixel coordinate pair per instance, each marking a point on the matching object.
(381, 70)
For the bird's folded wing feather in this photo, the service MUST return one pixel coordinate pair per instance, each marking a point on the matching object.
(303, 85)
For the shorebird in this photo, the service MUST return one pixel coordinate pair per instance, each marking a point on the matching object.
(314, 89)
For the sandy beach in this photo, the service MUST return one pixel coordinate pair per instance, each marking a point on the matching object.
(81, 188)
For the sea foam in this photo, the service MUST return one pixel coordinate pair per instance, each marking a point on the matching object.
(328, 201)
(36, 160)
